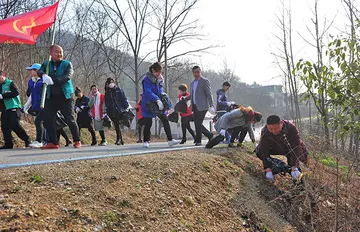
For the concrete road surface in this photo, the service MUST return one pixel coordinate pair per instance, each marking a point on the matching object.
(28, 156)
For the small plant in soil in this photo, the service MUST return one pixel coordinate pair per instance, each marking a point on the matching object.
(201, 221)
(124, 203)
(35, 179)
(206, 166)
(16, 189)
(224, 163)
(160, 212)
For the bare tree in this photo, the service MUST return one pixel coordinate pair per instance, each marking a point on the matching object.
(286, 58)
(131, 22)
(175, 27)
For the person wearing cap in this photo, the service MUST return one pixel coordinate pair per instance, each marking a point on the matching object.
(60, 96)
(10, 106)
(281, 137)
(233, 120)
(98, 110)
(84, 116)
(32, 106)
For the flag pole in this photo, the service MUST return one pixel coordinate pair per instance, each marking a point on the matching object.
(43, 95)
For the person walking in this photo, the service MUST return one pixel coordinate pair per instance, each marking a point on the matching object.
(84, 116)
(152, 95)
(116, 104)
(10, 106)
(98, 109)
(186, 117)
(32, 106)
(140, 122)
(201, 101)
(59, 96)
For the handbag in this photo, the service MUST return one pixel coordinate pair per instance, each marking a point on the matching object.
(60, 121)
(127, 117)
(174, 117)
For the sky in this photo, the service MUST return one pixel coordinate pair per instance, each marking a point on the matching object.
(245, 30)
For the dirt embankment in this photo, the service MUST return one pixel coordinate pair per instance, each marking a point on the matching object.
(204, 190)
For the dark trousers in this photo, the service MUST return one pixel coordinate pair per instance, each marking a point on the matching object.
(199, 128)
(63, 134)
(235, 133)
(140, 125)
(66, 107)
(102, 135)
(185, 125)
(91, 130)
(10, 121)
(148, 124)
(116, 120)
(39, 119)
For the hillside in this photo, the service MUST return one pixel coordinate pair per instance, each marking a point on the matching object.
(217, 190)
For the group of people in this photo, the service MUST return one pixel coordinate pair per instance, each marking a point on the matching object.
(95, 111)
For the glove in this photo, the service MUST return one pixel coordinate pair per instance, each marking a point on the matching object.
(82, 107)
(47, 80)
(223, 132)
(212, 110)
(269, 175)
(230, 103)
(77, 110)
(1, 96)
(105, 116)
(295, 173)
(160, 104)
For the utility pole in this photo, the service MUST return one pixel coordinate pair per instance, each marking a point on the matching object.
(166, 67)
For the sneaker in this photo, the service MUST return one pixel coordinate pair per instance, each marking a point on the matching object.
(146, 144)
(104, 143)
(77, 144)
(139, 141)
(198, 144)
(36, 144)
(173, 142)
(50, 146)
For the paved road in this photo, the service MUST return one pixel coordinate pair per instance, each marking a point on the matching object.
(24, 157)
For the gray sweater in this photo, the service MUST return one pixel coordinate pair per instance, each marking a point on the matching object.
(232, 119)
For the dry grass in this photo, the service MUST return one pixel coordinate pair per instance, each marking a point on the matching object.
(205, 190)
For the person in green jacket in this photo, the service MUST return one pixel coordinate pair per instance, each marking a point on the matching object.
(10, 106)
(60, 96)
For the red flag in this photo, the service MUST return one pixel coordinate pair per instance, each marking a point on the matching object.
(26, 28)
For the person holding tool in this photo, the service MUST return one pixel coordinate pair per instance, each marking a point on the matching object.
(59, 96)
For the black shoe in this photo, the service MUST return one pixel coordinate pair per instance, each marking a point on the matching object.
(6, 147)
(119, 142)
(68, 143)
(183, 141)
(198, 144)
(27, 143)
(215, 141)
(139, 141)
(94, 142)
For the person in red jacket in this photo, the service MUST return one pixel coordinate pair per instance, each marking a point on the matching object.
(98, 110)
(187, 117)
(140, 122)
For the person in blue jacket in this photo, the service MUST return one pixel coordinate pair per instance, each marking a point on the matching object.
(223, 103)
(32, 106)
(152, 92)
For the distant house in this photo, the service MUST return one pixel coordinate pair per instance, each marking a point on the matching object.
(273, 91)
